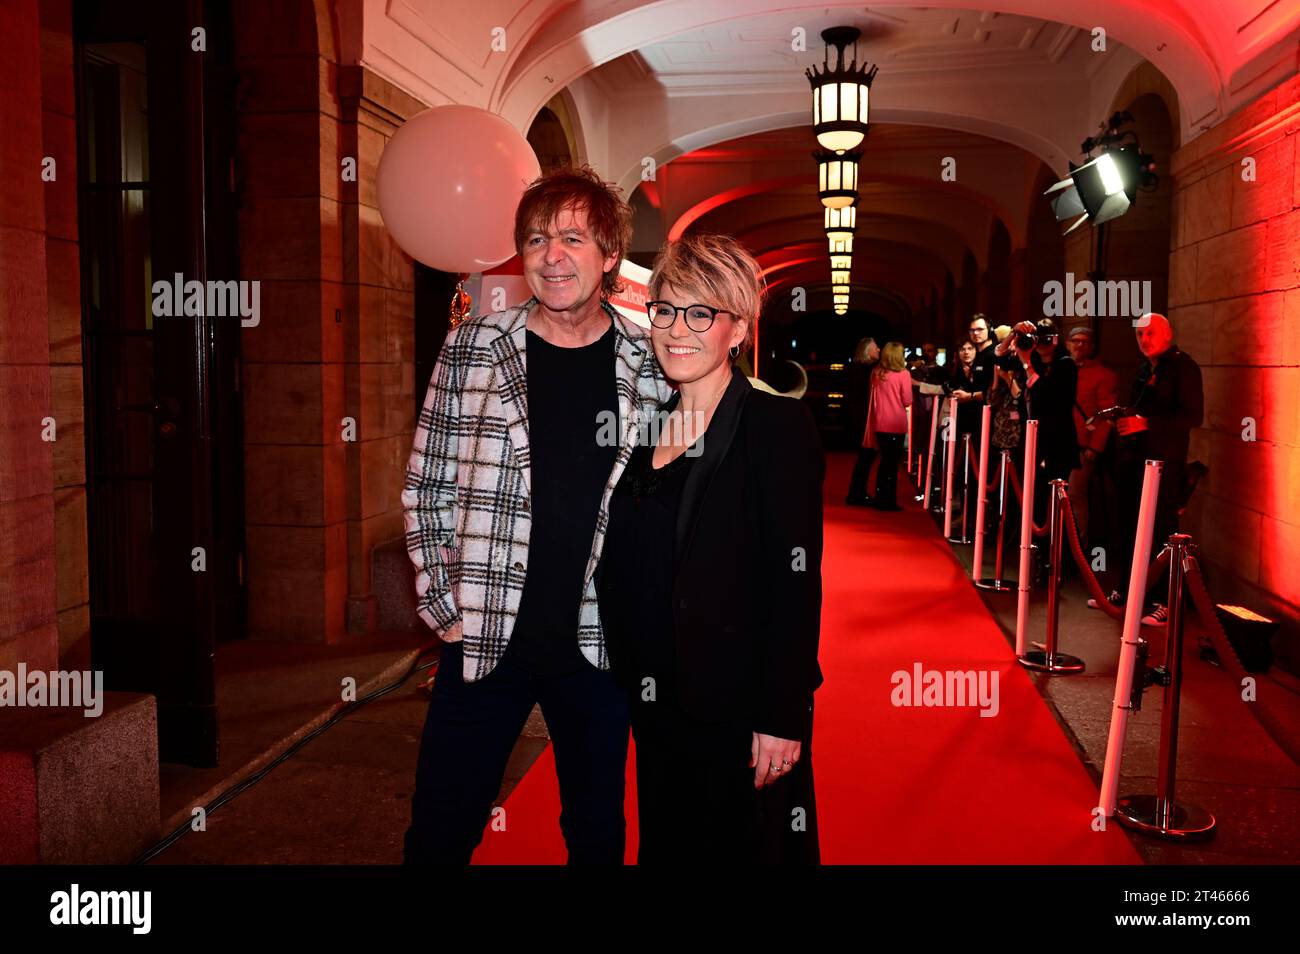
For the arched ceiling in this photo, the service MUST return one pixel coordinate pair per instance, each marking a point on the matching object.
(913, 226)
(711, 95)
(990, 70)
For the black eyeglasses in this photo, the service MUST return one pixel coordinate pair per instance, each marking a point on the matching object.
(699, 318)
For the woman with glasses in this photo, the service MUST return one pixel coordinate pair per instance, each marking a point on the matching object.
(709, 581)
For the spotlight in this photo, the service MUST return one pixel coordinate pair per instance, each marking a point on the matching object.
(1103, 188)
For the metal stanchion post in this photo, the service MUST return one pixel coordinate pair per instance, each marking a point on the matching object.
(1130, 641)
(1159, 814)
(909, 439)
(949, 443)
(929, 457)
(1048, 659)
(996, 582)
(1024, 581)
(965, 490)
(977, 568)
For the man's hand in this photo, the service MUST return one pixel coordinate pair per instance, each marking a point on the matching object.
(772, 758)
(1131, 425)
(962, 395)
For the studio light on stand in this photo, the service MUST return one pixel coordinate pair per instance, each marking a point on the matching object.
(1104, 187)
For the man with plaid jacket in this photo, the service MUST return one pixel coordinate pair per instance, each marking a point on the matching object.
(530, 417)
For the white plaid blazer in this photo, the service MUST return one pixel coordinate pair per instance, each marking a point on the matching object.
(466, 497)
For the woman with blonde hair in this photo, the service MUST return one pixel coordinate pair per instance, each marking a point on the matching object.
(891, 395)
(709, 581)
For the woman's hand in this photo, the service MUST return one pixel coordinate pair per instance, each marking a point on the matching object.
(772, 758)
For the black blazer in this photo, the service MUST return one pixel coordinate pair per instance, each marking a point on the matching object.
(746, 604)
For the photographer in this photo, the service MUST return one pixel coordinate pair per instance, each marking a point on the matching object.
(1051, 384)
(1167, 401)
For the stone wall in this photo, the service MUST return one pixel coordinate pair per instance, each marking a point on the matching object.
(1234, 300)
(44, 614)
(336, 339)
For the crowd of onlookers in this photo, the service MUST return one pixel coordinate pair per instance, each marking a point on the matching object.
(1088, 434)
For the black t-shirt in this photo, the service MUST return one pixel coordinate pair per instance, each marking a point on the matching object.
(640, 543)
(571, 393)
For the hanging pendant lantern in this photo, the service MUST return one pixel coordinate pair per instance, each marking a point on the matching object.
(837, 177)
(841, 93)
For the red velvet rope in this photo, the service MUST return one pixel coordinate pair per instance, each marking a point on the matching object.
(1046, 528)
(1085, 567)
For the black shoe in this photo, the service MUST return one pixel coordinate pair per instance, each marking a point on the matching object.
(1158, 615)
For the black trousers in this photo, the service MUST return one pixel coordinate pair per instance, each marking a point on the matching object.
(891, 455)
(861, 472)
(696, 800)
(1129, 477)
(469, 733)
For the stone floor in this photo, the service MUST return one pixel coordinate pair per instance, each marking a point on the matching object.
(344, 797)
(1227, 763)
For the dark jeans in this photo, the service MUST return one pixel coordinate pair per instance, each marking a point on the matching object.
(891, 455)
(861, 471)
(469, 733)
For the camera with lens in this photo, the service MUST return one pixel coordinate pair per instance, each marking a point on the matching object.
(1030, 339)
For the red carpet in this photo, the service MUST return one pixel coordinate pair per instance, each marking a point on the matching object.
(899, 785)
